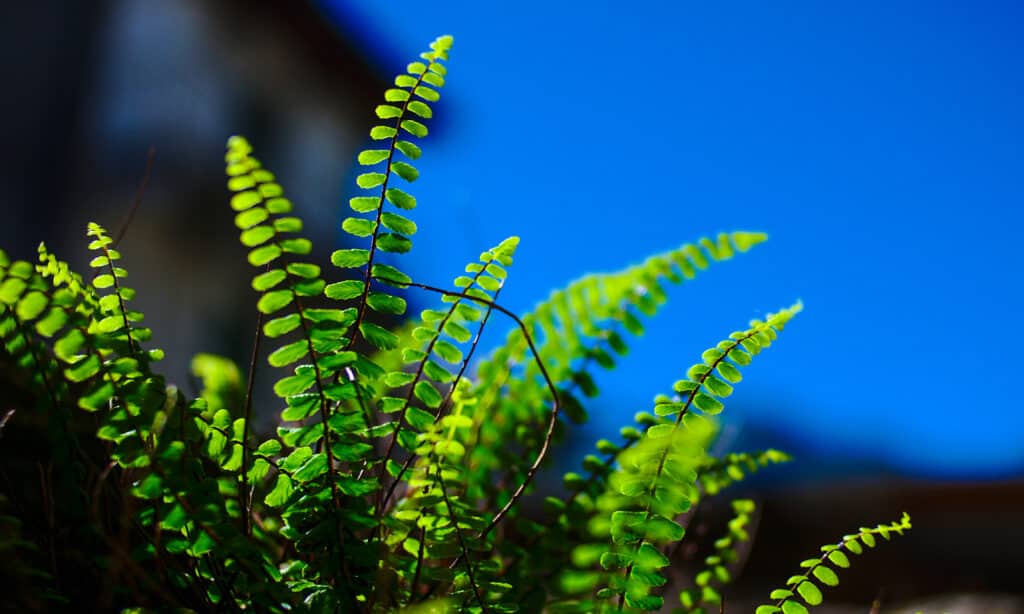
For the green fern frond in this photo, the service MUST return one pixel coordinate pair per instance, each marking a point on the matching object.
(718, 473)
(833, 555)
(657, 480)
(584, 322)
(440, 340)
(389, 231)
(716, 572)
(437, 441)
(322, 396)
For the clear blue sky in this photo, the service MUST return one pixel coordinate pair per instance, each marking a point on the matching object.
(881, 144)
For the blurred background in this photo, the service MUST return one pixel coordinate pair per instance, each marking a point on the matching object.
(878, 143)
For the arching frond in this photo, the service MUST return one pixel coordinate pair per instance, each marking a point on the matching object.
(803, 590)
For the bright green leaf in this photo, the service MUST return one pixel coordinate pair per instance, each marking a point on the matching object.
(826, 575)
(810, 592)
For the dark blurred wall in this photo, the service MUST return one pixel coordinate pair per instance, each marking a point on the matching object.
(91, 86)
(49, 60)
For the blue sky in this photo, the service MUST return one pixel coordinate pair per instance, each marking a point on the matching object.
(879, 143)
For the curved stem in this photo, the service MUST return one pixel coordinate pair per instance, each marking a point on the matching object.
(553, 415)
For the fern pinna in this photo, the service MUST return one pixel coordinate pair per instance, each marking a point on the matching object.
(395, 478)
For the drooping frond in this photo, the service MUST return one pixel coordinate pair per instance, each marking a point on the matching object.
(583, 323)
(579, 325)
(823, 568)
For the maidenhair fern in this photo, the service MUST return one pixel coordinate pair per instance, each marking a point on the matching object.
(395, 476)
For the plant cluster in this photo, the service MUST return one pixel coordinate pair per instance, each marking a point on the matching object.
(396, 476)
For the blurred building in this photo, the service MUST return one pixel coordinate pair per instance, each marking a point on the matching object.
(93, 85)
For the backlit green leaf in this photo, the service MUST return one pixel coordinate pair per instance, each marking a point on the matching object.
(263, 255)
(393, 243)
(358, 226)
(380, 133)
(410, 149)
(414, 128)
(420, 109)
(385, 303)
(810, 592)
(344, 290)
(793, 607)
(426, 93)
(390, 275)
(281, 326)
(257, 235)
(426, 392)
(312, 468)
(405, 171)
(707, 404)
(378, 336)
(398, 223)
(372, 156)
(288, 354)
(274, 301)
(400, 199)
(838, 559)
(370, 180)
(266, 281)
(281, 492)
(350, 258)
(826, 575)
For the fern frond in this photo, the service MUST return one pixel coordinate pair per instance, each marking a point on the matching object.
(580, 325)
(585, 320)
(334, 435)
(719, 473)
(440, 338)
(411, 97)
(24, 297)
(98, 340)
(716, 572)
(656, 479)
(821, 568)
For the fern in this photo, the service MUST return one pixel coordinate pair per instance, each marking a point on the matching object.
(821, 568)
(716, 566)
(395, 477)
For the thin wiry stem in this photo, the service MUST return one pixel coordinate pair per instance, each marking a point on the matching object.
(553, 415)
(139, 194)
(247, 423)
(419, 558)
(5, 419)
(412, 390)
(462, 542)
